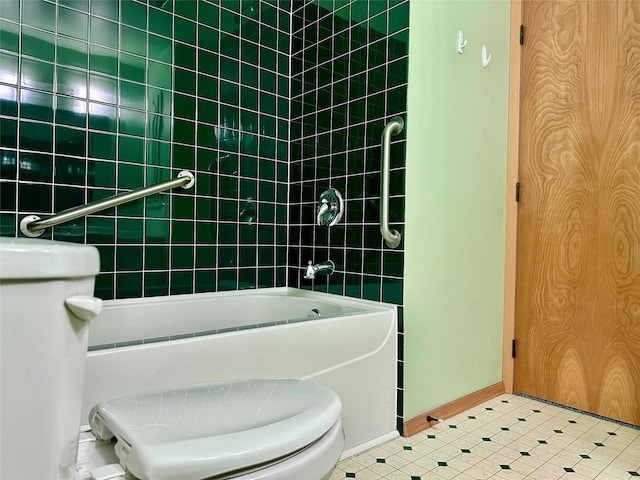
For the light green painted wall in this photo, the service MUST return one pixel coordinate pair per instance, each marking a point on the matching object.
(456, 200)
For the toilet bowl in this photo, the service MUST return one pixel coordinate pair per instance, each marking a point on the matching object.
(251, 429)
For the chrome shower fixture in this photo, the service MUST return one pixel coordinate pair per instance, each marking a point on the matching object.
(330, 207)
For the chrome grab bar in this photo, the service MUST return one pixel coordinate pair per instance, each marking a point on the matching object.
(391, 237)
(33, 226)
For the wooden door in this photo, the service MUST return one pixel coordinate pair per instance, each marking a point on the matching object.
(578, 280)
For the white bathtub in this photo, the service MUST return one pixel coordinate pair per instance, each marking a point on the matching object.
(155, 343)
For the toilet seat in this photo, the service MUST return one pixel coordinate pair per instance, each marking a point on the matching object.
(215, 429)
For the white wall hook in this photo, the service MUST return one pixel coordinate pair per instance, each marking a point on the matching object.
(461, 42)
(485, 59)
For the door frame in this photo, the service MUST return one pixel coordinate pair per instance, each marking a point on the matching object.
(511, 233)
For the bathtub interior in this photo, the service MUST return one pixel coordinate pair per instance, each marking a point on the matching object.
(135, 321)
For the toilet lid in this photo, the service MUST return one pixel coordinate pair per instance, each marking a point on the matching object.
(205, 430)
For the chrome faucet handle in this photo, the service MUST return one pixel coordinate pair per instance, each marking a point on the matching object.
(310, 272)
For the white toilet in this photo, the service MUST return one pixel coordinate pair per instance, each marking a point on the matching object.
(249, 429)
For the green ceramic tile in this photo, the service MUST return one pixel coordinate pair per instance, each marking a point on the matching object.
(39, 14)
(103, 32)
(35, 167)
(227, 280)
(133, 40)
(101, 174)
(131, 149)
(182, 257)
(392, 291)
(37, 43)
(8, 196)
(128, 285)
(10, 11)
(265, 256)
(82, 5)
(208, 87)
(181, 283)
(8, 165)
(103, 88)
(228, 210)
(182, 207)
(185, 31)
(129, 230)
(133, 14)
(107, 9)
(159, 48)
(102, 145)
(70, 141)
(33, 136)
(129, 258)
(229, 45)
(101, 230)
(184, 106)
(10, 36)
(205, 232)
(71, 112)
(208, 14)
(160, 22)
(184, 131)
(187, 9)
(156, 284)
(246, 278)
(132, 68)
(184, 157)
(205, 257)
(104, 286)
(159, 100)
(158, 127)
(182, 231)
(227, 256)
(227, 233)
(229, 20)
(130, 176)
(398, 17)
(159, 74)
(156, 231)
(132, 95)
(34, 197)
(205, 281)
(229, 69)
(206, 209)
(73, 24)
(185, 81)
(103, 60)
(131, 122)
(36, 74)
(269, 37)
(36, 105)
(156, 257)
(158, 153)
(208, 62)
(102, 117)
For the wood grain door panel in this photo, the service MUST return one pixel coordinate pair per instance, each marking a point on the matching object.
(578, 280)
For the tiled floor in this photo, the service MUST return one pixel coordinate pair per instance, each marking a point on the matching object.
(509, 437)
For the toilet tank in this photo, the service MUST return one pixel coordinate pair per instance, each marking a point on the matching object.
(46, 303)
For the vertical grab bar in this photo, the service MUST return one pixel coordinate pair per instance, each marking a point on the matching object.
(391, 237)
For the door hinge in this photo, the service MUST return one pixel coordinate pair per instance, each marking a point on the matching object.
(513, 348)
(521, 34)
(517, 191)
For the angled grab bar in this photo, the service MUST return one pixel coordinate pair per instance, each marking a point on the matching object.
(33, 226)
(391, 237)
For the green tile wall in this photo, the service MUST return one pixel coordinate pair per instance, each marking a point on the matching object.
(97, 97)
(349, 78)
